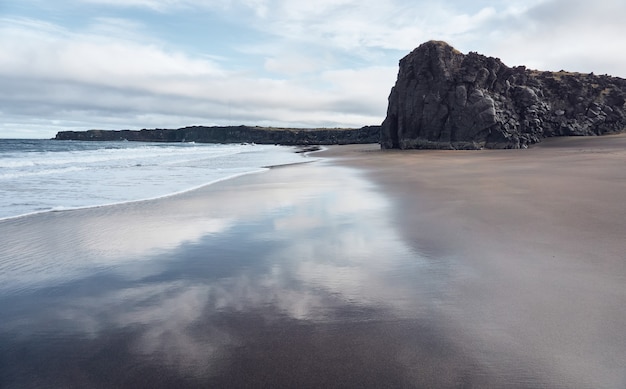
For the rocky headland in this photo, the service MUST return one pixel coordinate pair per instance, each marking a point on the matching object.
(445, 99)
(233, 134)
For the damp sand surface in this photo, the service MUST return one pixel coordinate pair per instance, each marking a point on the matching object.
(367, 268)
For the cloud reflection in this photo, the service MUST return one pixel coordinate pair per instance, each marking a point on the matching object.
(290, 245)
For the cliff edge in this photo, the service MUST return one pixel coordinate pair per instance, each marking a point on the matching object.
(448, 100)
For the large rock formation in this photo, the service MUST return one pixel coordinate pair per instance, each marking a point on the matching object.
(233, 134)
(445, 99)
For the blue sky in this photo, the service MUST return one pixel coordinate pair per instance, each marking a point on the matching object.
(117, 64)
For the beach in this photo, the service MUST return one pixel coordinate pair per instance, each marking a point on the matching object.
(365, 268)
(536, 237)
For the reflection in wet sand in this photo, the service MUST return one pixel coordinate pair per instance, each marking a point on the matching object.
(304, 277)
(295, 277)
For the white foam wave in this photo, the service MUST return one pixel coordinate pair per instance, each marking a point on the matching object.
(43, 172)
(83, 175)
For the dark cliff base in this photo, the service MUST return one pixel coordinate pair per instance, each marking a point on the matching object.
(233, 134)
(447, 100)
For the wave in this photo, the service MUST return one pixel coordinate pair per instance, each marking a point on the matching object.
(43, 172)
(69, 208)
(55, 178)
(112, 154)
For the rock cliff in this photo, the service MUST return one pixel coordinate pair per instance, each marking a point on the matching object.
(445, 99)
(233, 134)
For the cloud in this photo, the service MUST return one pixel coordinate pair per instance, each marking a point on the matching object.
(41, 50)
(558, 34)
(269, 62)
(65, 75)
(155, 5)
(292, 64)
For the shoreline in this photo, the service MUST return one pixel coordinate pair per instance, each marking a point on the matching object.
(66, 209)
(297, 150)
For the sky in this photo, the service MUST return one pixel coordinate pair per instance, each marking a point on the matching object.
(133, 64)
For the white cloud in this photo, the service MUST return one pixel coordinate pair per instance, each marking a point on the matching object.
(45, 51)
(157, 5)
(557, 34)
(293, 63)
(61, 72)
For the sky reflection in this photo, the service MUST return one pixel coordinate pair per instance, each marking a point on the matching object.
(187, 281)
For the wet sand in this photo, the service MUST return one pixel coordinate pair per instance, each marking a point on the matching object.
(537, 242)
(482, 269)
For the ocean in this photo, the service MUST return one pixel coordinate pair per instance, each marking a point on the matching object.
(50, 175)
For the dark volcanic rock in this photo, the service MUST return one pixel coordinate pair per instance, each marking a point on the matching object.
(234, 134)
(447, 100)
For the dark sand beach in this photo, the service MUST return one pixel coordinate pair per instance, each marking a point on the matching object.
(368, 268)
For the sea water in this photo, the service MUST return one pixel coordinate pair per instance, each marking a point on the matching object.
(48, 175)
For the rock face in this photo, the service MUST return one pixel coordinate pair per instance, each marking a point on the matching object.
(447, 100)
(233, 134)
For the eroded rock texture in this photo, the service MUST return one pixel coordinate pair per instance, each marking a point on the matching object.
(445, 99)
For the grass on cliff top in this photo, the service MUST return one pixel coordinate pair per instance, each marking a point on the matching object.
(558, 75)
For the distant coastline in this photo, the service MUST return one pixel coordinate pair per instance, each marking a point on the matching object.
(234, 134)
